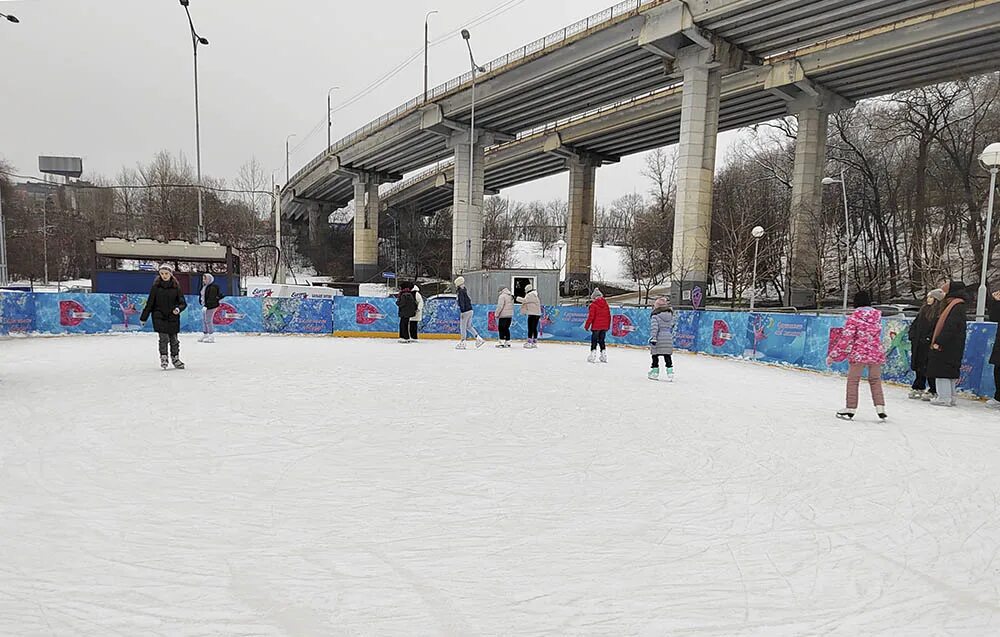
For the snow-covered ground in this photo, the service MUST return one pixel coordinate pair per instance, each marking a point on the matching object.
(605, 262)
(313, 486)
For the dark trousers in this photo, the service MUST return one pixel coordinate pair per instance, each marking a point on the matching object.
(996, 381)
(173, 342)
(597, 338)
(503, 326)
(922, 382)
(413, 329)
(404, 328)
(668, 360)
(533, 326)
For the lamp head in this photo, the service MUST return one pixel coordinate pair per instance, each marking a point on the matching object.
(829, 181)
(185, 3)
(757, 232)
(202, 40)
(12, 18)
(560, 244)
(991, 156)
(465, 34)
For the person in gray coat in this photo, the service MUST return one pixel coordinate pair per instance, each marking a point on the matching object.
(504, 315)
(661, 338)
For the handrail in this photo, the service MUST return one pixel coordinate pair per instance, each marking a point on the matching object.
(550, 41)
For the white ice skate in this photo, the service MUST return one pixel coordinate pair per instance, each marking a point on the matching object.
(209, 339)
(604, 357)
(916, 394)
(593, 357)
(203, 339)
(164, 362)
(480, 342)
(461, 345)
(993, 403)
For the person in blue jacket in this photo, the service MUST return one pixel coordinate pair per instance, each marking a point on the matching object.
(466, 312)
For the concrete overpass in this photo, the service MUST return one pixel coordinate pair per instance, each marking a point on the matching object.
(661, 72)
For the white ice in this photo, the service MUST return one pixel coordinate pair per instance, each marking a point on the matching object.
(313, 486)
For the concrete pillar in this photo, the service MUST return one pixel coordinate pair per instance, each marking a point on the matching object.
(806, 207)
(315, 211)
(695, 174)
(580, 225)
(467, 220)
(366, 210)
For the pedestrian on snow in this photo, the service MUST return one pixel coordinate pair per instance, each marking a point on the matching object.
(993, 309)
(407, 310)
(504, 315)
(466, 312)
(860, 343)
(210, 297)
(598, 322)
(165, 304)
(419, 316)
(921, 330)
(944, 363)
(661, 338)
(531, 307)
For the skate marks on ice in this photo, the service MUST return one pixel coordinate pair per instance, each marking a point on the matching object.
(317, 486)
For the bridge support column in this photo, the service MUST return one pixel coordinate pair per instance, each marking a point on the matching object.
(366, 211)
(806, 207)
(695, 175)
(315, 211)
(580, 225)
(467, 215)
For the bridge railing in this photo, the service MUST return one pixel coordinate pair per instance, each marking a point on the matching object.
(553, 39)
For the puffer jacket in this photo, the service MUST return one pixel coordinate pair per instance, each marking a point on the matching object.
(463, 300)
(164, 298)
(530, 304)
(661, 332)
(505, 305)
(948, 349)
(598, 316)
(419, 316)
(861, 340)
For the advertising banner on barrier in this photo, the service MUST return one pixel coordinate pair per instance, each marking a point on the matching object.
(440, 316)
(358, 315)
(896, 345)
(976, 368)
(686, 330)
(125, 311)
(819, 343)
(722, 333)
(297, 316)
(17, 312)
(776, 338)
(235, 314)
(72, 313)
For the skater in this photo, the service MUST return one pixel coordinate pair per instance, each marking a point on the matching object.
(407, 310)
(419, 316)
(210, 297)
(921, 329)
(661, 338)
(165, 304)
(861, 344)
(504, 315)
(944, 363)
(466, 312)
(993, 304)
(531, 307)
(598, 322)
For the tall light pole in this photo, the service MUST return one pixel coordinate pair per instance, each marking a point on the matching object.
(287, 156)
(757, 233)
(427, 46)
(473, 138)
(195, 41)
(9, 17)
(829, 181)
(991, 160)
(329, 119)
(4, 280)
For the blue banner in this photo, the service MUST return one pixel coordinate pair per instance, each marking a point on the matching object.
(365, 315)
(72, 313)
(298, 316)
(686, 330)
(17, 312)
(723, 334)
(440, 316)
(777, 338)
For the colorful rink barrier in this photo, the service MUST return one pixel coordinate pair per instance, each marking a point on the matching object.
(800, 341)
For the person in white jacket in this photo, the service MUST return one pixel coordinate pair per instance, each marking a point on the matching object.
(415, 319)
(504, 315)
(531, 307)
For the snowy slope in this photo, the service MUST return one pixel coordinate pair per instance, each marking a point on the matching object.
(606, 261)
(262, 492)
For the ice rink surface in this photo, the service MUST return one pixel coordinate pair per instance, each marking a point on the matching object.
(314, 486)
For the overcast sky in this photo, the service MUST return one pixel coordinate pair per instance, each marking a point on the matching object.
(111, 80)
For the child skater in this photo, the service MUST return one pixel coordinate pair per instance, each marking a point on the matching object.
(861, 344)
(661, 338)
(598, 322)
(165, 304)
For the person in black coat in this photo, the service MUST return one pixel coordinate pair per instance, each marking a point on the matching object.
(165, 304)
(407, 305)
(993, 307)
(211, 297)
(921, 330)
(944, 362)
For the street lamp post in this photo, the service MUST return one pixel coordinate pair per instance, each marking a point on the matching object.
(472, 134)
(9, 17)
(560, 245)
(828, 181)
(329, 119)
(195, 41)
(991, 159)
(757, 233)
(287, 156)
(427, 46)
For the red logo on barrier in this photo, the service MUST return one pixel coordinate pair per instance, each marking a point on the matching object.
(621, 326)
(366, 314)
(720, 333)
(72, 313)
(491, 322)
(226, 315)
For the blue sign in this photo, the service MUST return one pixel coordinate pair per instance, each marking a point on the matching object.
(388, 275)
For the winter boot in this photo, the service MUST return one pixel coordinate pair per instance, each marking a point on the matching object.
(654, 374)
(164, 361)
(880, 410)
(604, 356)
(178, 363)
(670, 374)
(593, 357)
(916, 394)
(846, 414)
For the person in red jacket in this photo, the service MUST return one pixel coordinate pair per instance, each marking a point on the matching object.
(598, 322)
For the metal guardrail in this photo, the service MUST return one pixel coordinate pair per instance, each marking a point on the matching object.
(551, 40)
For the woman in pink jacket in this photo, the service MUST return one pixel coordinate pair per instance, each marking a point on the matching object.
(860, 344)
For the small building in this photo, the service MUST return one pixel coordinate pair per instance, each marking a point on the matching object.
(122, 266)
(484, 285)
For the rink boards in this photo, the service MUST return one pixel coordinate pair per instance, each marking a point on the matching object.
(794, 340)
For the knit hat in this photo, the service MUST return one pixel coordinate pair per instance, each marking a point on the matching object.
(529, 288)
(210, 279)
(460, 281)
(416, 288)
(596, 294)
(661, 302)
(937, 295)
(165, 266)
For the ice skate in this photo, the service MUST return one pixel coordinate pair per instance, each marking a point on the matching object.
(880, 410)
(670, 374)
(461, 345)
(203, 339)
(939, 402)
(209, 339)
(593, 357)
(164, 362)
(916, 394)
(404, 340)
(480, 342)
(178, 364)
(500, 345)
(654, 374)
(993, 403)
(604, 357)
(846, 414)
(928, 397)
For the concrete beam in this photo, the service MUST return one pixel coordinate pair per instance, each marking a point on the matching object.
(788, 80)
(554, 145)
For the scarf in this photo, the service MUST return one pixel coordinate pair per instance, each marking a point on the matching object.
(941, 320)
